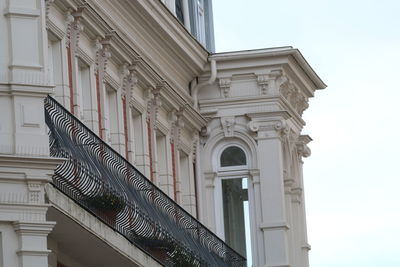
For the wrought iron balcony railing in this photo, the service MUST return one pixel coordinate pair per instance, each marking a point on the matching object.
(104, 183)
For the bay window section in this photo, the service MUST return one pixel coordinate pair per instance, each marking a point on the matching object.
(57, 68)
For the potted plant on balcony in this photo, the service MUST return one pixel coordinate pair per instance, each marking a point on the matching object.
(156, 245)
(106, 205)
(183, 258)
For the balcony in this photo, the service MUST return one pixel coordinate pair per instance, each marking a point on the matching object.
(108, 186)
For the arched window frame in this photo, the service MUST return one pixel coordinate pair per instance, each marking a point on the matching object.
(218, 155)
(229, 172)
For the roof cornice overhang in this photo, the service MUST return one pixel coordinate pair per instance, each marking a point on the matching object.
(267, 53)
(155, 32)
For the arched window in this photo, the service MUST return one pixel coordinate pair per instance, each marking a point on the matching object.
(233, 195)
(233, 156)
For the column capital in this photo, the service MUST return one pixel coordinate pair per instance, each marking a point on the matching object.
(267, 128)
(33, 228)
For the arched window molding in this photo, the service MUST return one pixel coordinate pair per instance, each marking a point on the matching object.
(232, 191)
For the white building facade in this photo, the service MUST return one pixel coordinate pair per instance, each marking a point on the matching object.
(218, 133)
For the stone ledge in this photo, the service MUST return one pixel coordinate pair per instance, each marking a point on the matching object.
(93, 225)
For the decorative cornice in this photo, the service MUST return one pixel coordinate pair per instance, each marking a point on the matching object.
(84, 56)
(54, 29)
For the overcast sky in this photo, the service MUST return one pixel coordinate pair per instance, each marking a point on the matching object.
(352, 180)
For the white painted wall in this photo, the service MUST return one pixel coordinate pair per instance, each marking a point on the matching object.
(256, 103)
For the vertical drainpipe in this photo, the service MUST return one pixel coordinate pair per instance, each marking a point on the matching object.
(197, 87)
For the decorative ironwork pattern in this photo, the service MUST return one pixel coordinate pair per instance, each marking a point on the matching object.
(107, 185)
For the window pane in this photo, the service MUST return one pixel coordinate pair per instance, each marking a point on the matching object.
(179, 10)
(236, 215)
(233, 156)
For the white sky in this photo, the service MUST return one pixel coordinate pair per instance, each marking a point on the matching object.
(352, 181)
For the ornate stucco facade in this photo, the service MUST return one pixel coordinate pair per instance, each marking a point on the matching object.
(143, 77)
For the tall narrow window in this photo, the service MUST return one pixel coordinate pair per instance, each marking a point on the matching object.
(187, 183)
(136, 139)
(235, 205)
(161, 158)
(85, 91)
(201, 34)
(55, 61)
(111, 117)
(179, 11)
(235, 200)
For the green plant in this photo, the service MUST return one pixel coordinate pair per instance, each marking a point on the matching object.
(106, 201)
(182, 258)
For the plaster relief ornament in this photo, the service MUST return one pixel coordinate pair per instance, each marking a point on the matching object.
(253, 126)
(129, 80)
(74, 29)
(263, 81)
(177, 125)
(281, 127)
(301, 145)
(302, 104)
(103, 53)
(153, 104)
(228, 124)
(195, 142)
(204, 134)
(293, 95)
(225, 85)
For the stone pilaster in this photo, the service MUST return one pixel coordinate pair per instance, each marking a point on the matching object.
(23, 207)
(273, 222)
(153, 105)
(303, 151)
(129, 81)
